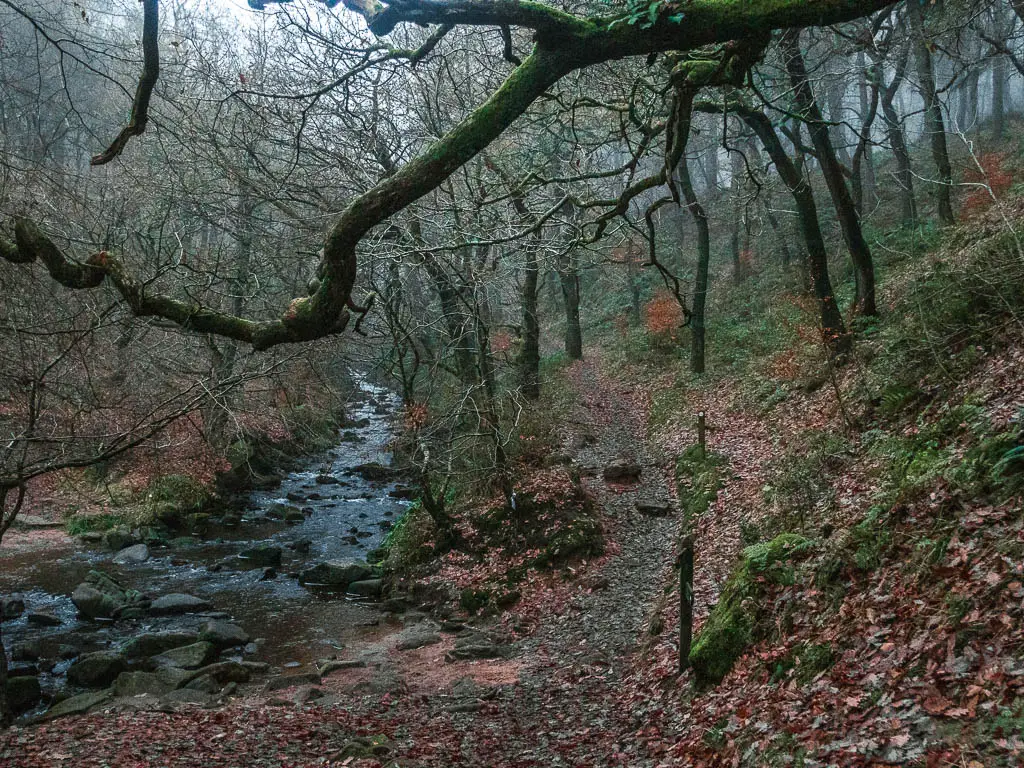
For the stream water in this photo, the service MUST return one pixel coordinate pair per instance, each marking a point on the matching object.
(295, 626)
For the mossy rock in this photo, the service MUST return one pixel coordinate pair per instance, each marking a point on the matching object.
(736, 621)
(170, 498)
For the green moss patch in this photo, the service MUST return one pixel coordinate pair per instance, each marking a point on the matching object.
(736, 621)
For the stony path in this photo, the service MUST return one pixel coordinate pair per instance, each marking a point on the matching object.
(567, 701)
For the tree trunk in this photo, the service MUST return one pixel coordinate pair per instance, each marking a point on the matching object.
(863, 157)
(934, 124)
(999, 75)
(529, 358)
(860, 253)
(897, 143)
(700, 290)
(568, 276)
(735, 248)
(833, 329)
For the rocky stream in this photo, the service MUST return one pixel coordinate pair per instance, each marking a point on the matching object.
(277, 584)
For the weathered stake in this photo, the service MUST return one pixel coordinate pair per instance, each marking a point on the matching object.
(702, 435)
(685, 601)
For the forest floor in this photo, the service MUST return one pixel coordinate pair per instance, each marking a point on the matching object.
(596, 684)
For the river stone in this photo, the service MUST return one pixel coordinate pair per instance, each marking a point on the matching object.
(188, 656)
(30, 650)
(43, 619)
(102, 597)
(138, 683)
(96, 670)
(335, 573)
(178, 603)
(367, 587)
(374, 471)
(295, 496)
(327, 480)
(78, 705)
(223, 634)
(223, 672)
(280, 511)
(11, 608)
(295, 516)
(23, 693)
(118, 538)
(263, 555)
(152, 643)
(138, 553)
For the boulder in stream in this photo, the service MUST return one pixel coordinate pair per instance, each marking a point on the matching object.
(327, 480)
(335, 573)
(102, 597)
(367, 588)
(188, 656)
(177, 603)
(374, 471)
(137, 553)
(280, 511)
(96, 670)
(262, 555)
(153, 643)
(78, 705)
(118, 538)
(23, 692)
(223, 634)
(43, 619)
(11, 608)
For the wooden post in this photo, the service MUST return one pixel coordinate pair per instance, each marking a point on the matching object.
(685, 601)
(702, 435)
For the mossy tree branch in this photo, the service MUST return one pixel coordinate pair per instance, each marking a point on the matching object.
(564, 43)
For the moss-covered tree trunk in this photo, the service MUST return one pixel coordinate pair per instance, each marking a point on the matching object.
(849, 221)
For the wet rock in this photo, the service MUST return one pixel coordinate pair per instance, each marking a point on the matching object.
(139, 683)
(223, 672)
(23, 692)
(96, 670)
(23, 670)
(183, 542)
(357, 423)
(295, 496)
(327, 480)
(231, 520)
(204, 683)
(118, 538)
(28, 651)
(314, 497)
(78, 705)
(188, 656)
(367, 587)
(223, 634)
(102, 597)
(351, 437)
(290, 681)
(11, 608)
(296, 516)
(137, 553)
(178, 603)
(67, 651)
(386, 525)
(352, 540)
(262, 556)
(268, 574)
(374, 471)
(335, 573)
(622, 471)
(302, 546)
(43, 619)
(280, 511)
